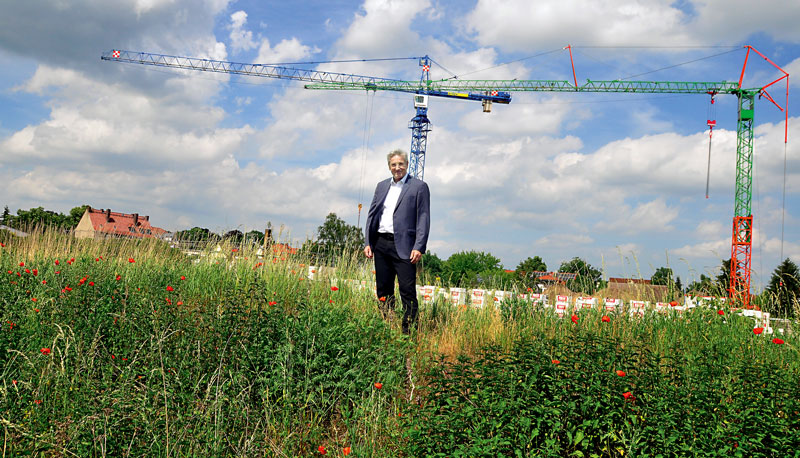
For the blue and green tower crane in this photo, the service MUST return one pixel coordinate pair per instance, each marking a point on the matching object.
(490, 91)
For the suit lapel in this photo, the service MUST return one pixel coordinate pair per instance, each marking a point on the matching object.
(403, 193)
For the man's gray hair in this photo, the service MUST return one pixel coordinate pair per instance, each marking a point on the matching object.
(397, 152)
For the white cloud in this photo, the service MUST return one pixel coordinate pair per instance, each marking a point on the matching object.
(793, 68)
(384, 29)
(288, 50)
(514, 25)
(241, 39)
(710, 229)
(517, 24)
(717, 248)
(519, 118)
(565, 240)
(646, 218)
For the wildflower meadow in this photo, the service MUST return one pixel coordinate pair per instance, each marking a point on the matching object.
(131, 348)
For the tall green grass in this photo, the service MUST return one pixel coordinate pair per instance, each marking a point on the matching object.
(228, 354)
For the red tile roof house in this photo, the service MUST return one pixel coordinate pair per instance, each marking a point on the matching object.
(99, 223)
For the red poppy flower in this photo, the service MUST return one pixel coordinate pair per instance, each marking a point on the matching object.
(555, 361)
(334, 288)
(27, 271)
(22, 264)
(179, 303)
(627, 395)
(331, 301)
(36, 310)
(574, 319)
(91, 283)
(119, 277)
(378, 385)
(45, 351)
(273, 303)
(605, 319)
(57, 272)
(382, 298)
(758, 331)
(35, 272)
(183, 277)
(321, 450)
(2, 245)
(621, 373)
(777, 341)
(67, 289)
(37, 401)
(131, 260)
(56, 262)
(71, 260)
(34, 299)
(96, 259)
(720, 312)
(44, 282)
(170, 288)
(673, 303)
(346, 451)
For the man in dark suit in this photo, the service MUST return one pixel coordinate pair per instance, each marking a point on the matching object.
(398, 223)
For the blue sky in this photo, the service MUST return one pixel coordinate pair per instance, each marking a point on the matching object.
(616, 179)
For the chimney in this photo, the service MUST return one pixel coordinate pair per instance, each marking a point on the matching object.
(108, 215)
(147, 218)
(135, 219)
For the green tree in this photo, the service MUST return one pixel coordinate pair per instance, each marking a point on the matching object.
(534, 264)
(75, 215)
(6, 218)
(784, 286)
(666, 277)
(195, 234)
(662, 276)
(38, 217)
(588, 279)
(432, 268)
(233, 237)
(706, 286)
(254, 238)
(724, 277)
(336, 238)
(473, 268)
(525, 269)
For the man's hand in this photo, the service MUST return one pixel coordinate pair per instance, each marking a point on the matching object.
(415, 256)
(368, 251)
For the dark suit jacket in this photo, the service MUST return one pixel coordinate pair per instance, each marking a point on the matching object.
(411, 216)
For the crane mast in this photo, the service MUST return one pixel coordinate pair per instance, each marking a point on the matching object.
(498, 91)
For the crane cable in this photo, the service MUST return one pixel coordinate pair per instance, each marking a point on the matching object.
(367, 130)
(711, 121)
(783, 204)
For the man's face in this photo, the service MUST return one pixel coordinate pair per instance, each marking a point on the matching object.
(398, 167)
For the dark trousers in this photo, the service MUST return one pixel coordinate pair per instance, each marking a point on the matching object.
(388, 266)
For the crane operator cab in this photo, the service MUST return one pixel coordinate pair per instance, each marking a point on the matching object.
(420, 101)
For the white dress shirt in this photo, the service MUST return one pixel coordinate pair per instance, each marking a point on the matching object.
(386, 224)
